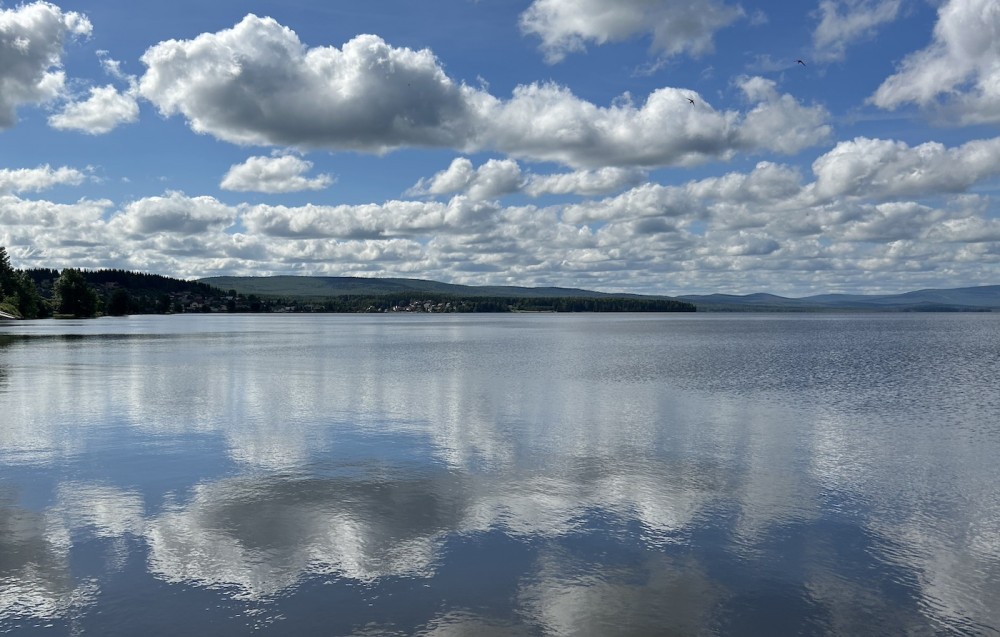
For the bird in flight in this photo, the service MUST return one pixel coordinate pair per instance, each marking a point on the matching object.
(800, 62)
(690, 100)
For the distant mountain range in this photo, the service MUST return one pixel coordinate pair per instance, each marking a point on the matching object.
(955, 300)
(983, 298)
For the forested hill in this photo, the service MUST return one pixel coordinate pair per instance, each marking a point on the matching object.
(33, 293)
(120, 292)
(127, 292)
(331, 286)
(359, 294)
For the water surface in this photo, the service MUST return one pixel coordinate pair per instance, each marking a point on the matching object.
(507, 475)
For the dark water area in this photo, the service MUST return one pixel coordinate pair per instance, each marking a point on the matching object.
(501, 475)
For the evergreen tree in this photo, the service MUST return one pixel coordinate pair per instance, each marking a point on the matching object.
(73, 296)
(120, 303)
(18, 294)
(6, 274)
(29, 302)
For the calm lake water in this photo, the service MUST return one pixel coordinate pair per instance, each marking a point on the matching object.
(501, 475)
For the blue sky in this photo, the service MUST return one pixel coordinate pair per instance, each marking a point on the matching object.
(648, 146)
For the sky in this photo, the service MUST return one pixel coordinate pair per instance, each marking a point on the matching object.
(644, 146)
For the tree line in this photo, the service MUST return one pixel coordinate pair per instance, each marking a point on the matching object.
(45, 292)
(448, 303)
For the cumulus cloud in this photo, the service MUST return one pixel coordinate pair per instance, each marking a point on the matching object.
(60, 218)
(879, 168)
(275, 174)
(102, 112)
(31, 46)
(258, 84)
(779, 122)
(959, 71)
(844, 22)
(494, 178)
(497, 178)
(391, 219)
(38, 179)
(583, 182)
(869, 206)
(767, 185)
(647, 200)
(547, 122)
(566, 26)
(174, 213)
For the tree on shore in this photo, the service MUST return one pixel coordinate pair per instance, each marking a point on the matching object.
(120, 303)
(73, 296)
(18, 294)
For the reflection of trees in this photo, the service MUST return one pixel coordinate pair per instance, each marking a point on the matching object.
(5, 342)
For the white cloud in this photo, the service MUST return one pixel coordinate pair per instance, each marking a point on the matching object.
(894, 221)
(549, 123)
(101, 113)
(371, 221)
(779, 122)
(566, 26)
(106, 108)
(495, 178)
(258, 84)
(962, 64)
(38, 179)
(114, 67)
(59, 218)
(583, 182)
(276, 174)
(872, 207)
(31, 47)
(174, 213)
(647, 200)
(457, 177)
(768, 186)
(844, 22)
(877, 168)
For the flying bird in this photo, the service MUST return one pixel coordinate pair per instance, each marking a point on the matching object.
(800, 62)
(690, 100)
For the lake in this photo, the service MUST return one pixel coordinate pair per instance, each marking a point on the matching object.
(531, 474)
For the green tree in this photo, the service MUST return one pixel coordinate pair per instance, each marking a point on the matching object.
(163, 304)
(7, 275)
(120, 303)
(73, 296)
(29, 302)
(18, 294)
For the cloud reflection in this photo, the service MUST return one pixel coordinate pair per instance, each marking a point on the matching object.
(35, 577)
(373, 452)
(260, 537)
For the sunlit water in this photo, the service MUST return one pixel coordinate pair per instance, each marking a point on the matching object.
(501, 475)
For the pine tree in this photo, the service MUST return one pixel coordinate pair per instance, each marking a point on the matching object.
(6, 274)
(73, 296)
